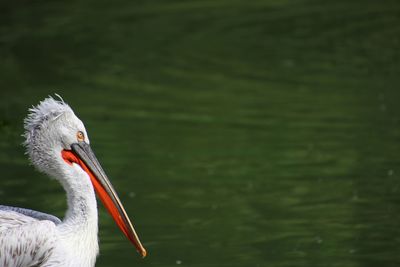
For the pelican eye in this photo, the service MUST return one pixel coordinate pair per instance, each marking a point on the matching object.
(80, 136)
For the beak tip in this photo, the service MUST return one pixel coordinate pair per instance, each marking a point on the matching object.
(143, 252)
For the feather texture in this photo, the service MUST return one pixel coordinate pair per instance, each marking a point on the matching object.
(26, 241)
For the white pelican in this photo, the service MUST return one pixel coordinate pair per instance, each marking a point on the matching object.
(58, 145)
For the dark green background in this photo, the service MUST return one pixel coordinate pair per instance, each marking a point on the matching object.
(238, 133)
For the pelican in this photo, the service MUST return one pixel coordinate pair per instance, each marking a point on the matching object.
(58, 145)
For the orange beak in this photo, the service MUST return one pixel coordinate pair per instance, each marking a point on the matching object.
(82, 154)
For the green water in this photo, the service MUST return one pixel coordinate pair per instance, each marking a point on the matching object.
(238, 133)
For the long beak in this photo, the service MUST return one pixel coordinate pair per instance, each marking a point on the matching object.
(83, 155)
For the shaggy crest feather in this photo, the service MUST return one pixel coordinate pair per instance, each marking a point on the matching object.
(47, 110)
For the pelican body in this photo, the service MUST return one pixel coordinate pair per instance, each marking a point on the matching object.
(58, 145)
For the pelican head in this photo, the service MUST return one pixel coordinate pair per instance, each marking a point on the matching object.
(56, 139)
(50, 128)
